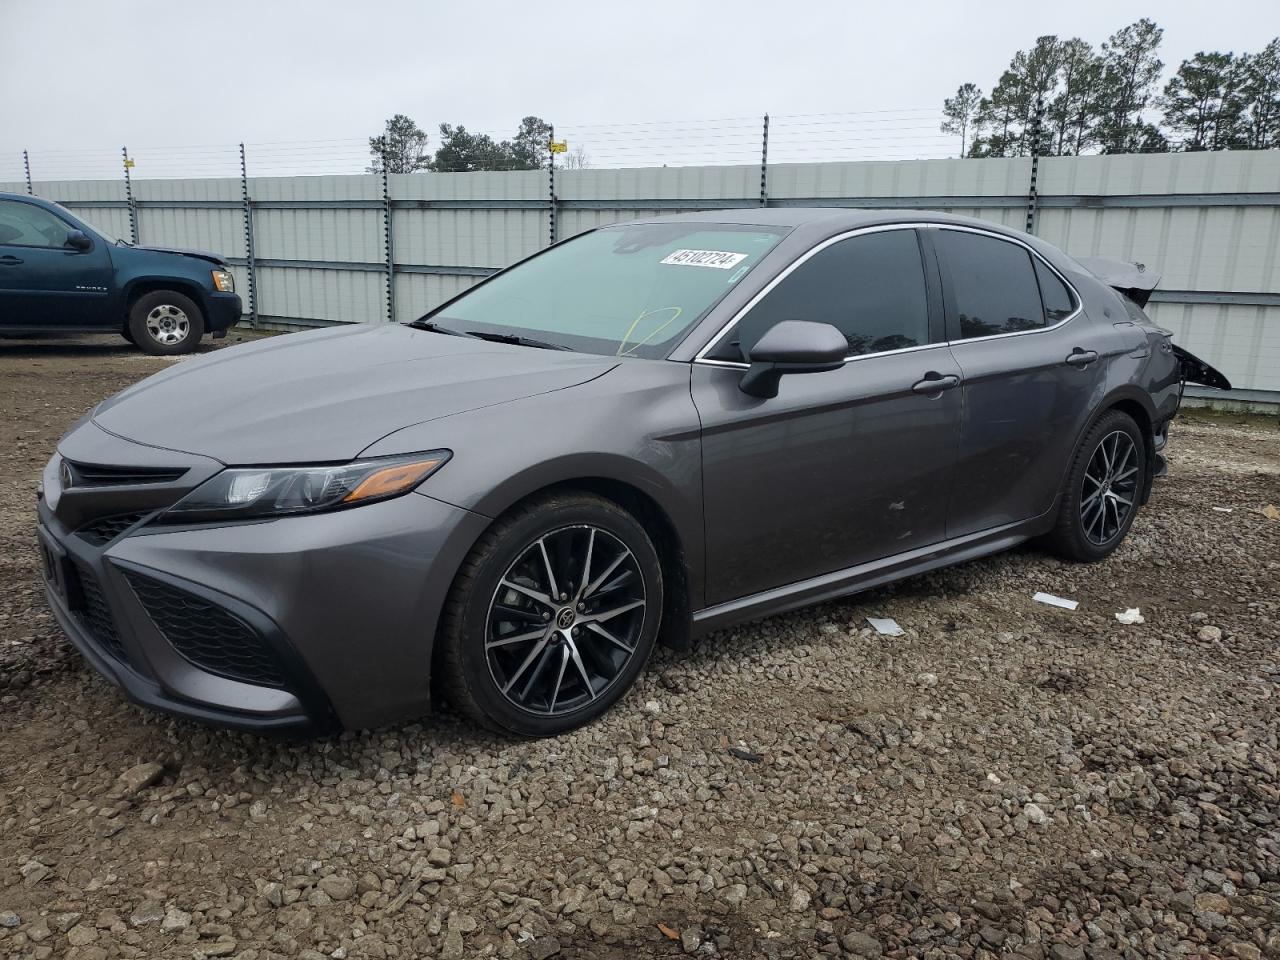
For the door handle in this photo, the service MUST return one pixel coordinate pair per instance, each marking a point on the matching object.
(9, 260)
(1082, 358)
(935, 384)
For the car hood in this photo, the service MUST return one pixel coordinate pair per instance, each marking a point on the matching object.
(183, 251)
(328, 394)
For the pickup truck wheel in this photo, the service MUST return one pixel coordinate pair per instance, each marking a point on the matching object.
(165, 323)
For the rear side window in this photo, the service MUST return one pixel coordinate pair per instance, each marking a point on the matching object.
(870, 287)
(1058, 301)
(26, 225)
(993, 282)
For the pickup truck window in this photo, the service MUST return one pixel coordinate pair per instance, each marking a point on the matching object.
(26, 225)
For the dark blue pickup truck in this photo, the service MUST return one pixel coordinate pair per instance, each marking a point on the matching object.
(59, 274)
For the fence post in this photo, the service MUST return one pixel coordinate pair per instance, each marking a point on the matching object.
(26, 169)
(246, 206)
(1035, 164)
(389, 245)
(764, 165)
(128, 198)
(551, 184)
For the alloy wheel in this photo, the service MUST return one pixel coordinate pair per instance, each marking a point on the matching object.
(167, 324)
(565, 620)
(1110, 487)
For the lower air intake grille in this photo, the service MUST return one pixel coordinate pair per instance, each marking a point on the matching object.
(95, 615)
(105, 529)
(212, 638)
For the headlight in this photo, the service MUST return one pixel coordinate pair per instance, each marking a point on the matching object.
(223, 281)
(263, 492)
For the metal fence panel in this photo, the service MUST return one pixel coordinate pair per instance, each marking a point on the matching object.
(995, 178)
(416, 293)
(1242, 341)
(220, 229)
(312, 295)
(1209, 223)
(319, 234)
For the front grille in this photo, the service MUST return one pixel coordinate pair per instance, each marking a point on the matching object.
(212, 638)
(102, 475)
(92, 611)
(102, 531)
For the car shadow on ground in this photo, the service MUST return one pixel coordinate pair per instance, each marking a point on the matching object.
(221, 750)
(12, 348)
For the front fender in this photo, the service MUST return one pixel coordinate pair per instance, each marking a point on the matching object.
(635, 426)
(197, 289)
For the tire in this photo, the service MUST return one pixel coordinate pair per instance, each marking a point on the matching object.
(165, 323)
(127, 334)
(498, 643)
(1092, 485)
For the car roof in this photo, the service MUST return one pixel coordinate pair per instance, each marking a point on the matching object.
(29, 198)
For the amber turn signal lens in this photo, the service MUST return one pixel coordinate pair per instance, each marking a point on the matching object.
(392, 480)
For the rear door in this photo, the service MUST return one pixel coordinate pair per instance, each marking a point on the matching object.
(843, 467)
(44, 282)
(1030, 360)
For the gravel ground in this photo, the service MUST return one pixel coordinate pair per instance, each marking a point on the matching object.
(1006, 778)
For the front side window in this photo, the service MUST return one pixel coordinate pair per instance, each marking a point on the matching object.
(869, 287)
(26, 225)
(993, 283)
(627, 291)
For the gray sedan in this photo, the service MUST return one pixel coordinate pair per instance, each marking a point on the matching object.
(644, 433)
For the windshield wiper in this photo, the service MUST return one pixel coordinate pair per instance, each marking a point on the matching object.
(512, 338)
(433, 327)
(517, 340)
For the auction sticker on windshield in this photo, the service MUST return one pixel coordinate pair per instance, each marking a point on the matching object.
(720, 259)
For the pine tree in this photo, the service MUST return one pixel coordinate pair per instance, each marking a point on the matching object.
(1131, 70)
(1203, 102)
(960, 113)
(1073, 114)
(1260, 92)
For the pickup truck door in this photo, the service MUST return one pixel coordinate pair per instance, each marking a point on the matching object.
(44, 282)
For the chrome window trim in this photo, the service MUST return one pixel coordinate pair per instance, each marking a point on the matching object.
(701, 355)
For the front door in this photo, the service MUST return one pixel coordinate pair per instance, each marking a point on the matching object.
(842, 467)
(43, 281)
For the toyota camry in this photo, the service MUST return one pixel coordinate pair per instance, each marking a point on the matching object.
(636, 436)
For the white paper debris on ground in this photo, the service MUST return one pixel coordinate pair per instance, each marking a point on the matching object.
(1221, 509)
(885, 626)
(1131, 616)
(1053, 601)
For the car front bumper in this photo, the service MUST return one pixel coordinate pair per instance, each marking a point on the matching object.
(298, 625)
(222, 312)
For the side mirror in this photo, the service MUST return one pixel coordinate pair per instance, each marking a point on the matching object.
(792, 346)
(78, 240)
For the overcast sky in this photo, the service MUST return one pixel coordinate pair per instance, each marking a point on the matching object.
(182, 83)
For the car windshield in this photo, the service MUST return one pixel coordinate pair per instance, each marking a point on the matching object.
(627, 291)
